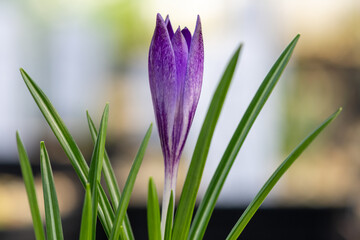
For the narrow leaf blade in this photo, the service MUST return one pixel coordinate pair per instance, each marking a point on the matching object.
(96, 164)
(279, 172)
(109, 174)
(86, 230)
(30, 189)
(207, 204)
(153, 212)
(69, 146)
(125, 198)
(111, 182)
(52, 213)
(57, 125)
(192, 182)
(105, 211)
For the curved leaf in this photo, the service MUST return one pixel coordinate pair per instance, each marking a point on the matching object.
(30, 189)
(125, 198)
(52, 214)
(111, 183)
(207, 204)
(270, 183)
(96, 165)
(68, 144)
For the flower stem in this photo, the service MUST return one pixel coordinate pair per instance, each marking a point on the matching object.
(169, 185)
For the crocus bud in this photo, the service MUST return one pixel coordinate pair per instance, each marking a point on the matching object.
(176, 63)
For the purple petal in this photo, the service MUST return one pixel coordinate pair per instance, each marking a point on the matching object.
(169, 27)
(193, 79)
(163, 84)
(181, 56)
(187, 36)
(175, 74)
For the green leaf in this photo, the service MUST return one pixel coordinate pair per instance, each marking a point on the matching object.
(111, 182)
(52, 214)
(270, 183)
(68, 144)
(109, 174)
(169, 217)
(192, 182)
(96, 164)
(30, 189)
(153, 212)
(58, 127)
(86, 230)
(125, 198)
(207, 204)
(105, 212)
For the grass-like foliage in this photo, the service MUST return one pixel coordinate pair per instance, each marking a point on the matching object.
(112, 211)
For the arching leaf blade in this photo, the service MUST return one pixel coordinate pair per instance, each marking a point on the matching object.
(96, 164)
(279, 172)
(212, 193)
(69, 146)
(52, 213)
(30, 189)
(125, 197)
(111, 183)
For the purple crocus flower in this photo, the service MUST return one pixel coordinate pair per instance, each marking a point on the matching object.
(176, 63)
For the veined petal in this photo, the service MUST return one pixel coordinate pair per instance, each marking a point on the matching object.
(181, 56)
(193, 79)
(169, 27)
(163, 84)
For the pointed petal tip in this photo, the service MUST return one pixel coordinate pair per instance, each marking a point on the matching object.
(159, 20)
(160, 27)
(198, 28)
(168, 26)
(198, 31)
(158, 16)
(198, 20)
(167, 18)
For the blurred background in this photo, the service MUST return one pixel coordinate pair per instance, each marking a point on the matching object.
(86, 53)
